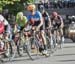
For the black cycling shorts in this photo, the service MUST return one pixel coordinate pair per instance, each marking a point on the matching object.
(37, 23)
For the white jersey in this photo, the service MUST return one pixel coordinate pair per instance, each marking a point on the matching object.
(9, 29)
(3, 19)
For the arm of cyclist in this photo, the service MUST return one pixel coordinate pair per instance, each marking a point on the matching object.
(62, 23)
(15, 28)
(49, 20)
(41, 21)
(49, 23)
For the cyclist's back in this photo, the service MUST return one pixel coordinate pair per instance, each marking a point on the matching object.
(46, 18)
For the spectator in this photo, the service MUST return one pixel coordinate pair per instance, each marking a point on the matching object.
(55, 4)
(60, 5)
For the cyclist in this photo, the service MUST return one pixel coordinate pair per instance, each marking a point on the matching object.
(35, 18)
(20, 24)
(21, 20)
(3, 27)
(57, 22)
(46, 18)
(47, 24)
(7, 26)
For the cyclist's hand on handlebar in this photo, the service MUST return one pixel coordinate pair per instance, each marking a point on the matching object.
(33, 28)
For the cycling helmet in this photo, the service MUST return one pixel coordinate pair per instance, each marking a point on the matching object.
(54, 13)
(20, 14)
(31, 7)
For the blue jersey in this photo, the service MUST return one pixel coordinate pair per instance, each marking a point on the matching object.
(37, 16)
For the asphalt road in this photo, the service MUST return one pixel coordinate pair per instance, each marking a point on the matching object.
(61, 56)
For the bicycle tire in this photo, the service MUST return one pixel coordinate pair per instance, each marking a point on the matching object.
(13, 50)
(24, 44)
(49, 46)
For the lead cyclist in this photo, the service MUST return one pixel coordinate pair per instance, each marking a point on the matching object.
(35, 18)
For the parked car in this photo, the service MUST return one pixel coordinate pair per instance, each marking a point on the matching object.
(71, 31)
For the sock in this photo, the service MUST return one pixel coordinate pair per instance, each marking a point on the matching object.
(45, 47)
(41, 48)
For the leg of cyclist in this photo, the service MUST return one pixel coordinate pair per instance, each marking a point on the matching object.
(44, 42)
(51, 39)
(62, 37)
(27, 40)
(58, 37)
(33, 31)
(17, 29)
(1, 45)
(54, 38)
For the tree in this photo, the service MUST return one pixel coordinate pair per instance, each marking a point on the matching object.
(5, 2)
(27, 1)
(14, 5)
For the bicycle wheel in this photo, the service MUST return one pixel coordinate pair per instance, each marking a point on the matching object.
(49, 45)
(54, 46)
(13, 51)
(48, 42)
(20, 47)
(1, 61)
(1, 57)
(60, 42)
(37, 45)
(26, 47)
(7, 49)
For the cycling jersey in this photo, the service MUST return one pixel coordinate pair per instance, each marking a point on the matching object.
(46, 18)
(56, 22)
(3, 24)
(1, 27)
(22, 22)
(3, 20)
(37, 16)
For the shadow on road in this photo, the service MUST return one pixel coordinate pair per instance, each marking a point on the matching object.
(69, 47)
(65, 54)
(18, 59)
(66, 61)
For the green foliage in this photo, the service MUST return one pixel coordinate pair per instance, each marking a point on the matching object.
(7, 3)
(13, 9)
(27, 1)
(14, 6)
